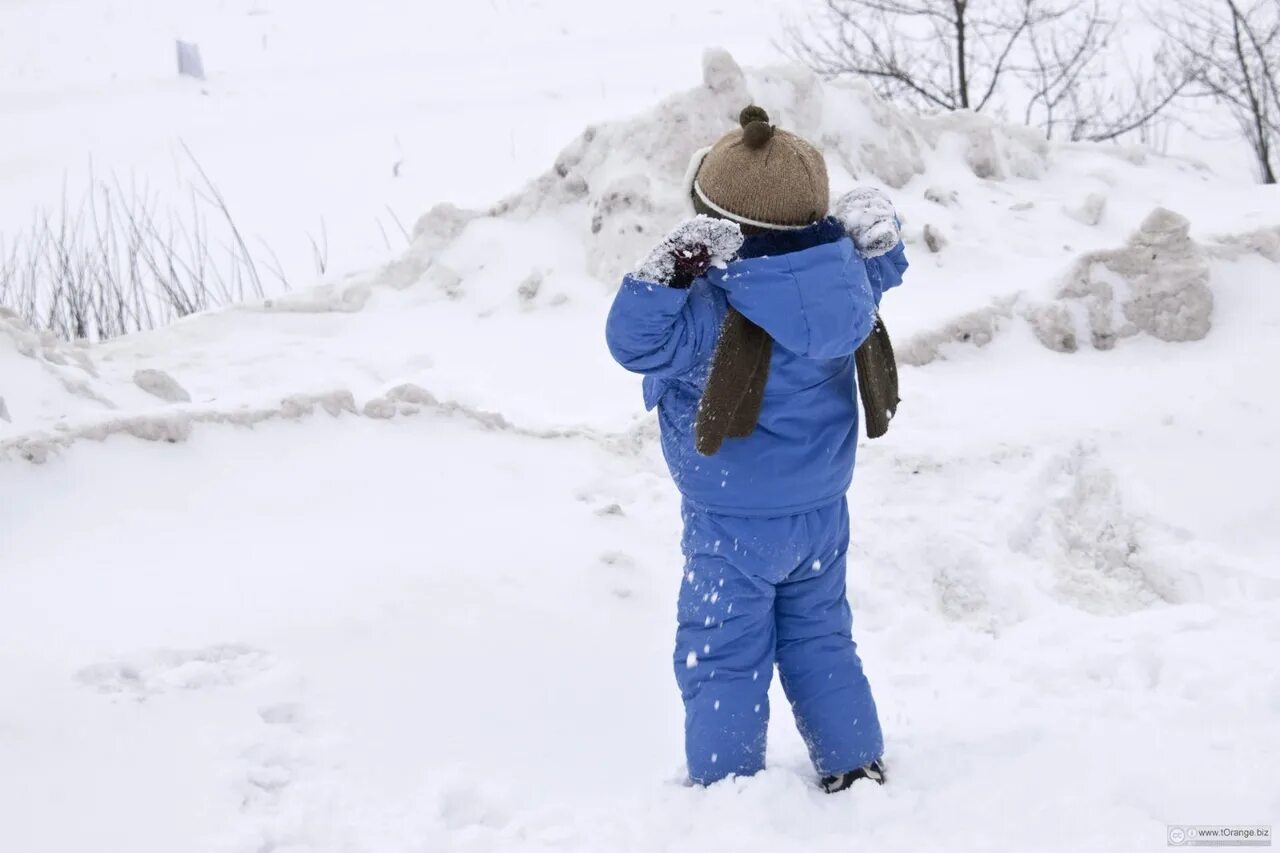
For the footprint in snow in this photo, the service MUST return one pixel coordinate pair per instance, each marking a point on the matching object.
(163, 671)
(620, 570)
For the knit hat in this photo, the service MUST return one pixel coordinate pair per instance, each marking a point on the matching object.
(761, 176)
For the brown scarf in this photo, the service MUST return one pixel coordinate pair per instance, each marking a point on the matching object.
(731, 401)
(734, 393)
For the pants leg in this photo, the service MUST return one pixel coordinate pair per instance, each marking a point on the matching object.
(817, 658)
(723, 656)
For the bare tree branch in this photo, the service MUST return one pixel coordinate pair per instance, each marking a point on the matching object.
(1045, 60)
(1234, 47)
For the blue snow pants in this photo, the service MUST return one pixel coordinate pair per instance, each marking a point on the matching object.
(760, 591)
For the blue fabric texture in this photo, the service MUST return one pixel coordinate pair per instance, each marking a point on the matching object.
(758, 592)
(816, 297)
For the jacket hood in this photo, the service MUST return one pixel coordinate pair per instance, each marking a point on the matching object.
(813, 298)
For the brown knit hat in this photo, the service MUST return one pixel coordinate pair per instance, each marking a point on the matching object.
(762, 176)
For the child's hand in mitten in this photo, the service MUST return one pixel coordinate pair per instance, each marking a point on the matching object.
(870, 219)
(691, 249)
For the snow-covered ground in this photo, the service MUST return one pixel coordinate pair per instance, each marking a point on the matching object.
(394, 567)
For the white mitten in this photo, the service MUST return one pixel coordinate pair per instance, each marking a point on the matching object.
(870, 219)
(693, 247)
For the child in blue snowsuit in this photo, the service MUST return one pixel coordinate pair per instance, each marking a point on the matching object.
(766, 289)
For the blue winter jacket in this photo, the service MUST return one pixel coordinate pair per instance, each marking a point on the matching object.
(817, 298)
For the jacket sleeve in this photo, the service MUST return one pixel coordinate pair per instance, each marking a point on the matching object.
(657, 330)
(886, 271)
(818, 304)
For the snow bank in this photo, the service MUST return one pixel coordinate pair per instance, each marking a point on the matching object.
(629, 173)
(43, 378)
(1077, 525)
(1158, 284)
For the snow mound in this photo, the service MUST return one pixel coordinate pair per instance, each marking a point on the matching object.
(977, 328)
(43, 378)
(1077, 524)
(629, 174)
(167, 670)
(404, 400)
(1158, 284)
(157, 383)
(1263, 241)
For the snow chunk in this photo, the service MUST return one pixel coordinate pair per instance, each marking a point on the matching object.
(721, 72)
(379, 408)
(528, 289)
(934, 239)
(1157, 284)
(1089, 212)
(160, 384)
(941, 196)
(440, 226)
(1264, 241)
(1078, 525)
(976, 327)
(333, 402)
(166, 670)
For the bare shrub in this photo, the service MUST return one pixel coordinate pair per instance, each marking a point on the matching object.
(1048, 62)
(117, 262)
(1234, 46)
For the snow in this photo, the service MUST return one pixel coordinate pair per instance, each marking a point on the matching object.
(160, 384)
(400, 575)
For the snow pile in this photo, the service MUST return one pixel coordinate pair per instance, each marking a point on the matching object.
(43, 378)
(630, 173)
(1163, 281)
(1157, 284)
(1078, 525)
(165, 670)
(159, 384)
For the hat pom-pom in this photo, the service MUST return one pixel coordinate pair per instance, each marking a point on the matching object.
(756, 130)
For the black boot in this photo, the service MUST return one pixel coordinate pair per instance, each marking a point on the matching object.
(873, 771)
